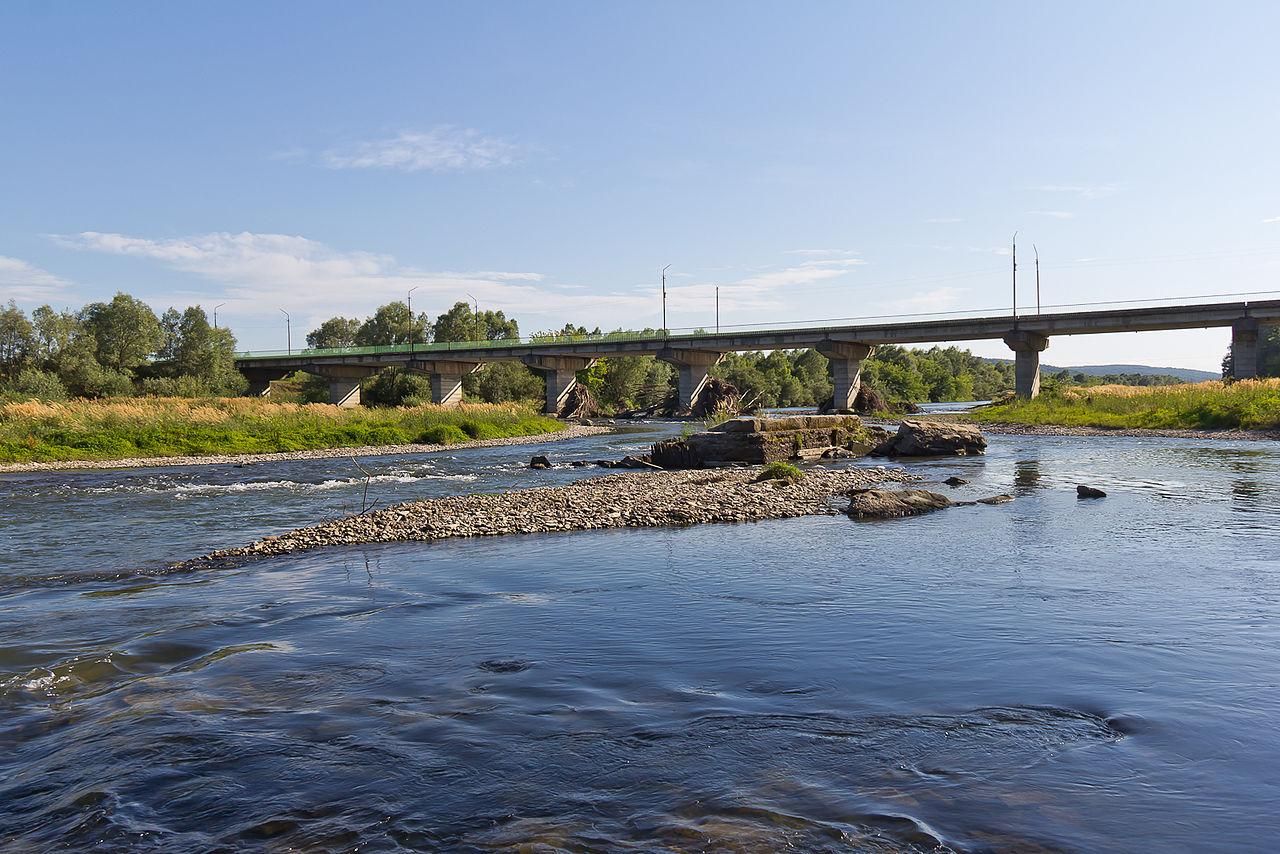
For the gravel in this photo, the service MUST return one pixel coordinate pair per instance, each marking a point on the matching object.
(636, 500)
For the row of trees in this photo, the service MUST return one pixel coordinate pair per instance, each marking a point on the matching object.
(113, 349)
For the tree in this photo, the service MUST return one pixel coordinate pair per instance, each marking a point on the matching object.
(125, 330)
(54, 331)
(334, 333)
(460, 323)
(500, 382)
(17, 340)
(392, 324)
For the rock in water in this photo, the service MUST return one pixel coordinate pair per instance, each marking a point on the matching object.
(540, 462)
(917, 438)
(955, 481)
(1002, 498)
(1089, 492)
(893, 503)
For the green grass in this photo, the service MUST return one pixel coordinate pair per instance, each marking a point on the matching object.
(167, 427)
(1248, 404)
(785, 472)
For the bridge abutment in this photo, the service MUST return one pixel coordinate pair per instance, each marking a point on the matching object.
(260, 381)
(560, 373)
(344, 382)
(692, 367)
(844, 366)
(445, 377)
(1244, 349)
(1026, 347)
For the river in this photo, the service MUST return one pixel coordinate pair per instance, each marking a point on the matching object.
(1050, 674)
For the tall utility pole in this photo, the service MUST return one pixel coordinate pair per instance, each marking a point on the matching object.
(288, 330)
(664, 299)
(1015, 274)
(215, 314)
(409, 300)
(1037, 251)
(717, 309)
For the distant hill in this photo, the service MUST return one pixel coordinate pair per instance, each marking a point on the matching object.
(1186, 374)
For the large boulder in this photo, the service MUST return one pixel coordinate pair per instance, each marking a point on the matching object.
(764, 440)
(918, 438)
(894, 503)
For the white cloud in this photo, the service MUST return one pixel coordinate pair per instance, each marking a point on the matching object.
(1083, 191)
(441, 149)
(1054, 214)
(929, 302)
(1271, 219)
(943, 220)
(28, 283)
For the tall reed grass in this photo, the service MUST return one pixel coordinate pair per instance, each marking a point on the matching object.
(1213, 405)
(35, 431)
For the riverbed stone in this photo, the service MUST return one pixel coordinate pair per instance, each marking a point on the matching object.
(921, 438)
(894, 503)
(1083, 491)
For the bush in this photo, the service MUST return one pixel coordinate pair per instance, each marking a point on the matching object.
(394, 387)
(780, 471)
(38, 384)
(442, 434)
(183, 386)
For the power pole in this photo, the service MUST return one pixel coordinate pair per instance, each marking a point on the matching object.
(288, 330)
(664, 299)
(717, 309)
(1037, 251)
(1015, 274)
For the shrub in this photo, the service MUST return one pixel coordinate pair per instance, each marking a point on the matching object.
(780, 471)
(38, 384)
(442, 434)
(394, 387)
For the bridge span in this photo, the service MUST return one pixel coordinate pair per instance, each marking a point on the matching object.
(559, 358)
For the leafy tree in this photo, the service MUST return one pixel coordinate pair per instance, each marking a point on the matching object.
(54, 331)
(460, 323)
(17, 340)
(395, 387)
(500, 382)
(125, 330)
(391, 324)
(334, 333)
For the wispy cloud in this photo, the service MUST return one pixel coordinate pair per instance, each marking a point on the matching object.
(943, 220)
(441, 149)
(26, 282)
(1271, 219)
(820, 253)
(928, 302)
(1083, 191)
(1053, 214)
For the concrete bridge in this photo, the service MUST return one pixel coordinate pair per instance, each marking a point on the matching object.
(559, 358)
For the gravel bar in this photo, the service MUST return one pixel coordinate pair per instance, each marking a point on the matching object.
(573, 431)
(638, 500)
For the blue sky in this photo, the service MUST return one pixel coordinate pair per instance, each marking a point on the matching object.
(815, 160)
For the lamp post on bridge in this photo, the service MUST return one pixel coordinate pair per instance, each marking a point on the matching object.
(288, 331)
(717, 309)
(1015, 275)
(215, 314)
(664, 300)
(481, 334)
(1037, 251)
(409, 300)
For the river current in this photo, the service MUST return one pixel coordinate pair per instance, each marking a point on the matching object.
(1045, 675)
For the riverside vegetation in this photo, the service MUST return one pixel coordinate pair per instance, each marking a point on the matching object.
(35, 431)
(1213, 405)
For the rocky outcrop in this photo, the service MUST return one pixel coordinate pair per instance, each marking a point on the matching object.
(765, 440)
(1083, 491)
(540, 462)
(919, 438)
(638, 500)
(894, 503)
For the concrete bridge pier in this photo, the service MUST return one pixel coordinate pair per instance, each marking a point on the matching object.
(1026, 347)
(344, 381)
(446, 378)
(1244, 348)
(691, 371)
(260, 381)
(560, 372)
(845, 360)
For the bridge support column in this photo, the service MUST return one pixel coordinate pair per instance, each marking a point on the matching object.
(1026, 347)
(844, 360)
(1244, 349)
(344, 382)
(691, 372)
(260, 381)
(446, 378)
(560, 372)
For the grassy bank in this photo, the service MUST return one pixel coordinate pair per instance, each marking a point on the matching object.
(1248, 404)
(170, 427)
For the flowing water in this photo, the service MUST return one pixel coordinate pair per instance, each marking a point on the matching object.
(1049, 674)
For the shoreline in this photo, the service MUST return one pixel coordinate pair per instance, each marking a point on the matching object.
(649, 499)
(572, 431)
(1229, 434)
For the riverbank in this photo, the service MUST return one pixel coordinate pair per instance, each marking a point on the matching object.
(642, 500)
(566, 431)
(36, 436)
(1006, 429)
(1194, 409)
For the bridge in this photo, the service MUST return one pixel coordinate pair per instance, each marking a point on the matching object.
(559, 358)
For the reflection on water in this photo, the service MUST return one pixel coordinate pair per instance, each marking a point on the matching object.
(1047, 674)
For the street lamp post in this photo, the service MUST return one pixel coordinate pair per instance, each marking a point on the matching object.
(215, 314)
(1037, 251)
(664, 299)
(481, 334)
(717, 309)
(288, 330)
(1015, 274)
(409, 300)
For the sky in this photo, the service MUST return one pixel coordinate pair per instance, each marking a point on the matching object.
(814, 160)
